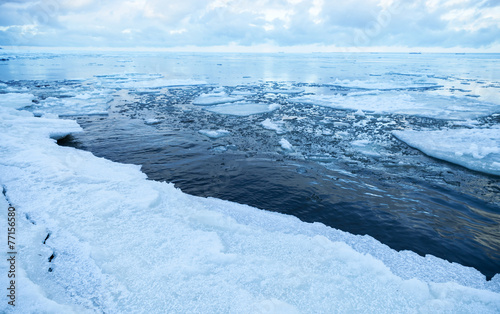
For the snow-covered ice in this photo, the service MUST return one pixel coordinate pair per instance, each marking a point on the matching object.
(477, 149)
(122, 243)
(84, 103)
(16, 100)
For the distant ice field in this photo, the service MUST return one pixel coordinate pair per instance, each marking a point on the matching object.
(400, 152)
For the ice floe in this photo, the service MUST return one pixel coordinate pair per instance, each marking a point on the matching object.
(157, 82)
(215, 99)
(152, 121)
(87, 103)
(290, 91)
(285, 144)
(386, 84)
(215, 133)
(276, 126)
(477, 149)
(242, 108)
(425, 105)
(16, 100)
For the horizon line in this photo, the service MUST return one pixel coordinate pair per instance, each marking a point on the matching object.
(264, 49)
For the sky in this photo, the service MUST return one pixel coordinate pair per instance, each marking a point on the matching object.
(254, 25)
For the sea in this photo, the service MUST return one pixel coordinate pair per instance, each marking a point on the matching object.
(402, 147)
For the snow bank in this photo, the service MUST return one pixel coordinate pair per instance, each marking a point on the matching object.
(122, 243)
(476, 149)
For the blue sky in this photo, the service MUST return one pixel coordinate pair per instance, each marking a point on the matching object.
(293, 25)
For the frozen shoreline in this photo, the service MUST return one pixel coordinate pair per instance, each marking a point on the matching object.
(97, 236)
(123, 243)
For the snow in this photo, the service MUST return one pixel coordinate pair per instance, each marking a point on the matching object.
(418, 104)
(244, 108)
(476, 149)
(215, 133)
(122, 243)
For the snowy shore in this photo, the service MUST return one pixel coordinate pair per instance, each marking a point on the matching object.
(97, 236)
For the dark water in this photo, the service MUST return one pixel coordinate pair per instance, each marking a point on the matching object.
(405, 199)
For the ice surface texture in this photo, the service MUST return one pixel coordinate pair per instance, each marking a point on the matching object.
(16, 100)
(122, 243)
(405, 102)
(476, 149)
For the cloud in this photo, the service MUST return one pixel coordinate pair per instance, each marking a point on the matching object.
(157, 23)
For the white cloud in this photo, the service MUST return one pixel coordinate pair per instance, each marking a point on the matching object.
(158, 23)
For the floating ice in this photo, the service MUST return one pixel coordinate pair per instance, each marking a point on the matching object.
(276, 126)
(418, 104)
(476, 149)
(215, 133)
(386, 84)
(366, 147)
(290, 91)
(26, 124)
(117, 242)
(245, 108)
(152, 121)
(16, 100)
(215, 99)
(360, 143)
(158, 82)
(286, 145)
(95, 102)
(243, 93)
(359, 113)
